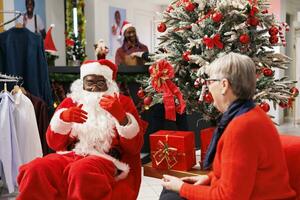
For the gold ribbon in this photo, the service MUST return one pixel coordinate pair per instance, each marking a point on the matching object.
(165, 153)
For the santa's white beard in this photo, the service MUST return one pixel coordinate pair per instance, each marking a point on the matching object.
(96, 134)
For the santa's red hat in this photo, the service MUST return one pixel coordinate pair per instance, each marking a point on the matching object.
(102, 67)
(124, 27)
(48, 42)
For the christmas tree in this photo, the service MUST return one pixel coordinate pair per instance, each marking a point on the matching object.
(195, 33)
(74, 48)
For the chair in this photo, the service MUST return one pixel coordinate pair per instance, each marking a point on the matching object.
(291, 147)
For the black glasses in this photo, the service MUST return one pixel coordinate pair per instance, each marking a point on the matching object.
(209, 81)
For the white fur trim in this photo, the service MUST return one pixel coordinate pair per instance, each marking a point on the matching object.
(59, 126)
(131, 129)
(126, 26)
(95, 68)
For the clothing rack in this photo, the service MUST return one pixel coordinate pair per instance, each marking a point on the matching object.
(17, 13)
(8, 78)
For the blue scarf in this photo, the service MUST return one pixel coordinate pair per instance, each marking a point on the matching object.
(237, 108)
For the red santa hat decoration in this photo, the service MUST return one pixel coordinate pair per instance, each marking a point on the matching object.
(99, 67)
(48, 42)
(124, 27)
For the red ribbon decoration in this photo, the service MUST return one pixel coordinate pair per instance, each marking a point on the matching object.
(252, 2)
(214, 41)
(162, 73)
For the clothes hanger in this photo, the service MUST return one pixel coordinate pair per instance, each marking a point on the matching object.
(5, 84)
(17, 13)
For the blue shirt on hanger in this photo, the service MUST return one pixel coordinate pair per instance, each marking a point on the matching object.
(9, 148)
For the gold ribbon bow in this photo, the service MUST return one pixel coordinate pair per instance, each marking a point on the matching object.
(165, 153)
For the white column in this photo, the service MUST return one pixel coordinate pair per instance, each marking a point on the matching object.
(8, 5)
(297, 34)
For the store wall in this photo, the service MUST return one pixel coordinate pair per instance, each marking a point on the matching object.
(55, 15)
(140, 13)
(297, 63)
(8, 5)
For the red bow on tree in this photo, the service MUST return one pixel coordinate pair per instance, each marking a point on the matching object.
(162, 73)
(214, 41)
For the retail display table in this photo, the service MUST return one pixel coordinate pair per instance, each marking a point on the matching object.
(157, 173)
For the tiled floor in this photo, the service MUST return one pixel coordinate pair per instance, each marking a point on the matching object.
(151, 187)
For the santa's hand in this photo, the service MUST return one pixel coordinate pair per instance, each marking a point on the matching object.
(112, 105)
(172, 183)
(74, 114)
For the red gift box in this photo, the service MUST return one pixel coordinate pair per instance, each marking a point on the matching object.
(173, 150)
(205, 137)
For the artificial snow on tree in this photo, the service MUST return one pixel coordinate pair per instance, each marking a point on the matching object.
(195, 33)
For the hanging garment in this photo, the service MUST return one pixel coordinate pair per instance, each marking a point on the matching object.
(26, 128)
(22, 54)
(42, 117)
(9, 148)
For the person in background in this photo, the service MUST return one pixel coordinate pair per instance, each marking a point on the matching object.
(116, 39)
(132, 52)
(97, 135)
(245, 152)
(32, 21)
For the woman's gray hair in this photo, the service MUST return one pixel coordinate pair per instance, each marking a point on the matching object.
(239, 70)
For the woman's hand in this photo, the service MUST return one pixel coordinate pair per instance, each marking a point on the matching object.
(172, 183)
(197, 180)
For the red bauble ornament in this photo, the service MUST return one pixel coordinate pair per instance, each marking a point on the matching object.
(141, 94)
(190, 7)
(264, 11)
(169, 9)
(294, 91)
(208, 97)
(253, 21)
(264, 106)
(283, 105)
(217, 17)
(267, 72)
(244, 39)
(273, 39)
(273, 30)
(147, 101)
(161, 27)
(185, 56)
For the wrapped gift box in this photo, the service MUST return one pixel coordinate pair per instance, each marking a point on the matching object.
(173, 150)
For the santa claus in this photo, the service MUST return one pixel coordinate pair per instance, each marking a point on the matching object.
(97, 135)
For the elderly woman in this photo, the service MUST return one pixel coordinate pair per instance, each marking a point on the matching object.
(245, 151)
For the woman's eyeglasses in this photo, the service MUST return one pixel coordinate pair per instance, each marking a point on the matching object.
(209, 81)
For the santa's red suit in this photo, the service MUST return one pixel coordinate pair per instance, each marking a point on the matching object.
(87, 171)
